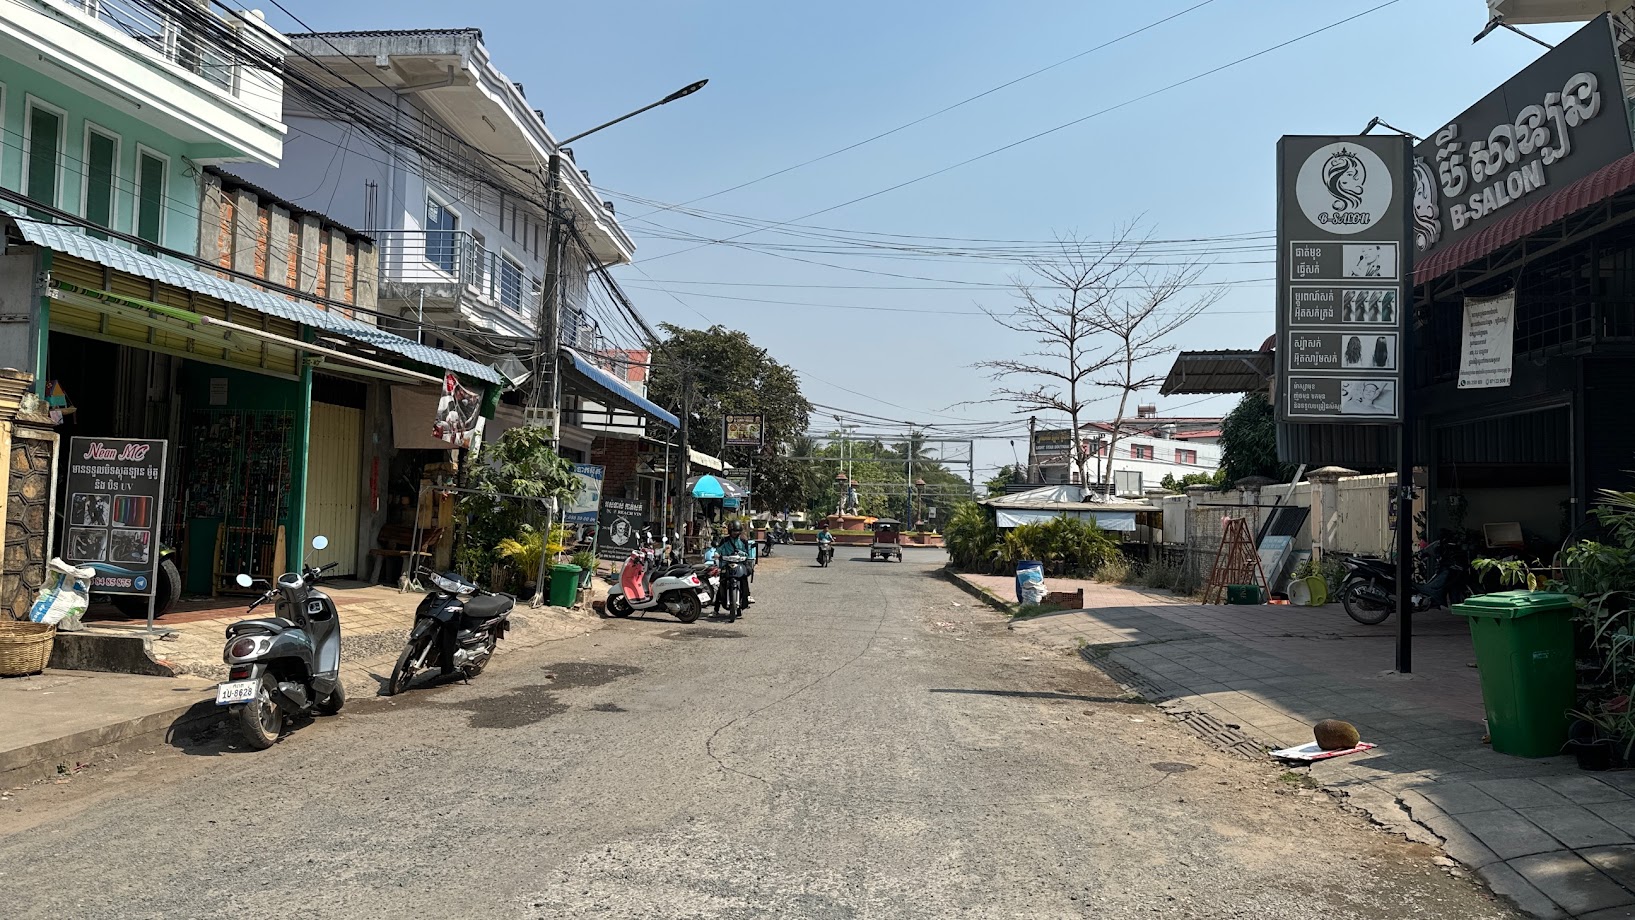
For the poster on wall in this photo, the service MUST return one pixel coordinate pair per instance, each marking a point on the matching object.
(1048, 443)
(1344, 265)
(1488, 343)
(744, 431)
(584, 507)
(115, 490)
(459, 414)
(619, 528)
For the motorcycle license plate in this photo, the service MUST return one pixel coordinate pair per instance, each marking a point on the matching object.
(236, 691)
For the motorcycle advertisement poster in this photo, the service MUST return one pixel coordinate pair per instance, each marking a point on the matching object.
(619, 528)
(116, 490)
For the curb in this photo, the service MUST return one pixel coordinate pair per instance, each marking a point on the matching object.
(40, 760)
(979, 593)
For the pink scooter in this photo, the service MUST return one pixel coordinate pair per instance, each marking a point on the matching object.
(645, 584)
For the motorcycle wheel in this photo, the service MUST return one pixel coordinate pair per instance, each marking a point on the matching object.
(618, 606)
(691, 609)
(331, 704)
(1367, 610)
(404, 673)
(167, 586)
(261, 719)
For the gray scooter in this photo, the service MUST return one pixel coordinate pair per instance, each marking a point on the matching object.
(285, 665)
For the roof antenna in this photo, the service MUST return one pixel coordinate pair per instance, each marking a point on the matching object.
(1497, 22)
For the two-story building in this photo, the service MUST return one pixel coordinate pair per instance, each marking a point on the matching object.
(1148, 448)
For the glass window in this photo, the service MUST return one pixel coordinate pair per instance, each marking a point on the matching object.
(1185, 456)
(150, 196)
(101, 165)
(442, 226)
(44, 153)
(1141, 451)
(511, 283)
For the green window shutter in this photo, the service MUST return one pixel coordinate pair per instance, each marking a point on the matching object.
(150, 197)
(45, 135)
(100, 153)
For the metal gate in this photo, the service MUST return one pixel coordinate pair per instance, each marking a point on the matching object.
(334, 480)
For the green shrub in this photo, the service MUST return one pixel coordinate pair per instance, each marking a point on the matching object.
(1074, 546)
(971, 537)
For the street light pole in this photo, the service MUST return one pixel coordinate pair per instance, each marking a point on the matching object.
(549, 386)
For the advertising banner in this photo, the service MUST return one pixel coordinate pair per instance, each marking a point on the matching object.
(1488, 343)
(1052, 443)
(619, 528)
(116, 490)
(744, 431)
(1343, 278)
(459, 413)
(584, 507)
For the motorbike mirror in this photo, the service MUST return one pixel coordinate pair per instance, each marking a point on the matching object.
(320, 542)
(243, 580)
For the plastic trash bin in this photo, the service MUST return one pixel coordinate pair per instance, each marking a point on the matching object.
(564, 585)
(1524, 652)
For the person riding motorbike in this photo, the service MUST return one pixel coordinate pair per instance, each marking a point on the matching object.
(825, 539)
(736, 544)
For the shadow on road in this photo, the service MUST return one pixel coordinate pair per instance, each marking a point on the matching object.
(1046, 695)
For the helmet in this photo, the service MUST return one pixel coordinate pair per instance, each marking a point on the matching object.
(735, 528)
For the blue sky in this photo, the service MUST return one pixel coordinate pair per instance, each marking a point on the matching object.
(791, 81)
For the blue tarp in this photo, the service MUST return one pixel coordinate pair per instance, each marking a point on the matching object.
(621, 390)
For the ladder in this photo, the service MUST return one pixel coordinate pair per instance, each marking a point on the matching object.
(1237, 562)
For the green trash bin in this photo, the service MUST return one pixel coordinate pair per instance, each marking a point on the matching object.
(564, 585)
(1524, 651)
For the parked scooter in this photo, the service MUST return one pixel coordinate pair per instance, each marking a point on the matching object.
(285, 665)
(456, 629)
(646, 583)
(1369, 592)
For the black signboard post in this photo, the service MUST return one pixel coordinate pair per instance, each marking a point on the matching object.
(618, 529)
(116, 488)
(1345, 303)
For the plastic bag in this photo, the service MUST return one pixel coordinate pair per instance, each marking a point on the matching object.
(64, 596)
(1030, 582)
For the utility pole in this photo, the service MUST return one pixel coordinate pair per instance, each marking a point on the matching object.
(684, 498)
(550, 310)
(1033, 422)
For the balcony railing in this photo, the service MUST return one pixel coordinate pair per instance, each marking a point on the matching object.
(182, 42)
(457, 258)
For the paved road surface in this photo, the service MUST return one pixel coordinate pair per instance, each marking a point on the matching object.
(866, 743)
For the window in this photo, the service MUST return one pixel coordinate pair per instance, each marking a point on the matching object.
(43, 158)
(150, 194)
(1182, 455)
(442, 229)
(511, 278)
(1140, 451)
(1127, 482)
(101, 170)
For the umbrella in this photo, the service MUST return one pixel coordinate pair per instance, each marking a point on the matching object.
(713, 487)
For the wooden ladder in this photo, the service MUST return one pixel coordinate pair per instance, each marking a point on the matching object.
(1237, 562)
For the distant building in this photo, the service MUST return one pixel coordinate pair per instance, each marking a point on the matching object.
(1148, 448)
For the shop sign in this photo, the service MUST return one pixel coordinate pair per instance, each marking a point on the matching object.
(459, 413)
(116, 488)
(1559, 120)
(583, 508)
(744, 431)
(619, 528)
(1343, 269)
(1488, 343)
(1053, 442)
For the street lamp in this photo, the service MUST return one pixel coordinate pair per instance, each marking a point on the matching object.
(919, 490)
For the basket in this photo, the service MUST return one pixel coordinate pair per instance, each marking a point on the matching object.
(24, 647)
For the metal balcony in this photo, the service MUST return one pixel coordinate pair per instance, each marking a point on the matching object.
(453, 267)
(177, 39)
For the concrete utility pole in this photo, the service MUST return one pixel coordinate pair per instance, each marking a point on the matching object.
(1033, 424)
(684, 498)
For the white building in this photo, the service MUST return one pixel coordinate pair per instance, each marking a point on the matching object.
(1148, 448)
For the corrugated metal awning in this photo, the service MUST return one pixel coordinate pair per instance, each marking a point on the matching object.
(1238, 371)
(1605, 182)
(71, 241)
(619, 390)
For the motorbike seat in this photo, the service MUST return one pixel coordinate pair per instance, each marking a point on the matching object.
(488, 607)
(265, 624)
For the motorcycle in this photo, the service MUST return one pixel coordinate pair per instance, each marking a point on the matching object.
(826, 554)
(456, 628)
(1369, 591)
(734, 577)
(647, 583)
(285, 665)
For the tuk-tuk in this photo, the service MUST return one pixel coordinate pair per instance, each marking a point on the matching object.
(887, 540)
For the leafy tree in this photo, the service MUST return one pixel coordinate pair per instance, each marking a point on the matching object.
(521, 463)
(1008, 474)
(1249, 441)
(880, 471)
(730, 374)
(1216, 479)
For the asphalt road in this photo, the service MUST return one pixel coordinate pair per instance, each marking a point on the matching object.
(867, 742)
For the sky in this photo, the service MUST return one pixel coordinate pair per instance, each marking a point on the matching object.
(791, 82)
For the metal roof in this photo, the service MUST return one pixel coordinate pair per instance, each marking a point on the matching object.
(372, 33)
(620, 389)
(71, 241)
(1239, 371)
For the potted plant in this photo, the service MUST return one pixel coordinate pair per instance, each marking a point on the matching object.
(523, 553)
(586, 560)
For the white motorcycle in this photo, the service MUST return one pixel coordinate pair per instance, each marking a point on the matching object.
(646, 584)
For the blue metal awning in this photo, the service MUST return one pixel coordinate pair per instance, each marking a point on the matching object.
(71, 241)
(620, 390)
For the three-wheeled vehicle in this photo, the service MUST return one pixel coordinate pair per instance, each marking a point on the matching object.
(887, 540)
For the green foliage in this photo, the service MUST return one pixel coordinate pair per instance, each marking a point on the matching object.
(730, 374)
(1008, 474)
(1216, 479)
(880, 470)
(972, 538)
(522, 554)
(1512, 573)
(520, 463)
(585, 559)
(1249, 441)
(1078, 547)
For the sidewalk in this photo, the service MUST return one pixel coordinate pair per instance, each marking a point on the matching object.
(1558, 841)
(65, 717)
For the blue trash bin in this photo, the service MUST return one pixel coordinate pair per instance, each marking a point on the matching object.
(1027, 571)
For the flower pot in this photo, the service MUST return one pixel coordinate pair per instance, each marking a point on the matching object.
(1594, 755)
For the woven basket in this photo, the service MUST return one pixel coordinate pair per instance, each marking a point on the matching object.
(24, 647)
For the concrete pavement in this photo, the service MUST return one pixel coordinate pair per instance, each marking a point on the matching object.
(865, 743)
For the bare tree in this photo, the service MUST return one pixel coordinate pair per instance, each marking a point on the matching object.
(1101, 311)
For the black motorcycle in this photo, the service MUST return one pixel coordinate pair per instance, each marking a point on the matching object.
(456, 629)
(826, 554)
(735, 574)
(1369, 591)
(284, 665)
